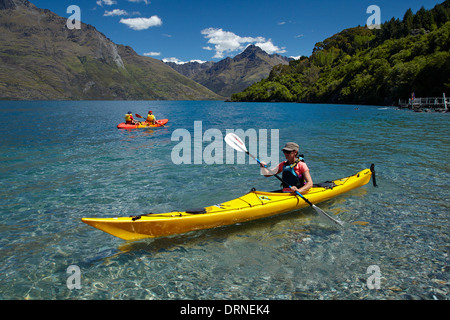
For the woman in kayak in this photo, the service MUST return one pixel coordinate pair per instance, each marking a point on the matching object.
(150, 118)
(129, 118)
(295, 172)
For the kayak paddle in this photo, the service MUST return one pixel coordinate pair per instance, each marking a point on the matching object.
(139, 116)
(237, 144)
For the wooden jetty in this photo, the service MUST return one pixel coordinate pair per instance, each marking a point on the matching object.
(439, 104)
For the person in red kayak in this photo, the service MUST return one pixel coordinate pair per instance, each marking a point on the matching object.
(129, 118)
(295, 172)
(150, 118)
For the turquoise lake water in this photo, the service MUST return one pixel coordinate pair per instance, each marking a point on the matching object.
(61, 161)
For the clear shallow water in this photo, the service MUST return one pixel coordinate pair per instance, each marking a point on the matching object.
(61, 161)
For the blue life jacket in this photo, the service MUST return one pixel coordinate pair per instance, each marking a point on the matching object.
(290, 177)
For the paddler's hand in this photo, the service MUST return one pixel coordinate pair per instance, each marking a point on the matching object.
(264, 170)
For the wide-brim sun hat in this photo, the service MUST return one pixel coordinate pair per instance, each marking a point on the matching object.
(291, 146)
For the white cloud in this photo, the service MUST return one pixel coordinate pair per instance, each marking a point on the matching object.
(174, 60)
(145, 1)
(142, 23)
(269, 47)
(115, 12)
(106, 2)
(198, 61)
(295, 57)
(120, 12)
(178, 61)
(282, 23)
(152, 54)
(226, 42)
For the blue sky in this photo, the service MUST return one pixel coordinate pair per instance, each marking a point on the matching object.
(211, 30)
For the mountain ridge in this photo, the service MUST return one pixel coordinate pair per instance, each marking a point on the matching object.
(42, 59)
(232, 75)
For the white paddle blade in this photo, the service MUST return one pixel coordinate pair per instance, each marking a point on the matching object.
(235, 142)
(326, 215)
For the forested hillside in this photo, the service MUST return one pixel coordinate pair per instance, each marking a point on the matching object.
(368, 66)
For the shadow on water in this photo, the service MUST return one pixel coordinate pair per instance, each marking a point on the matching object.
(281, 226)
(302, 221)
(291, 226)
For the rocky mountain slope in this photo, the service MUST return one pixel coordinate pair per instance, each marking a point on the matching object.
(232, 75)
(40, 58)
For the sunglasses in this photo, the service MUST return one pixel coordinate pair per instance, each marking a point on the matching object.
(287, 152)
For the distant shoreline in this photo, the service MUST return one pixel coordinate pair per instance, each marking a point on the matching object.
(424, 109)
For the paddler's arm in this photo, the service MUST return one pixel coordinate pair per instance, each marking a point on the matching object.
(268, 172)
(307, 186)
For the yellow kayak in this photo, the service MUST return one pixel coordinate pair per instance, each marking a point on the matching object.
(251, 206)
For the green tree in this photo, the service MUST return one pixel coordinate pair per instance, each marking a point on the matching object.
(408, 21)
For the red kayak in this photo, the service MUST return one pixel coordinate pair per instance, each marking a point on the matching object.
(159, 123)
